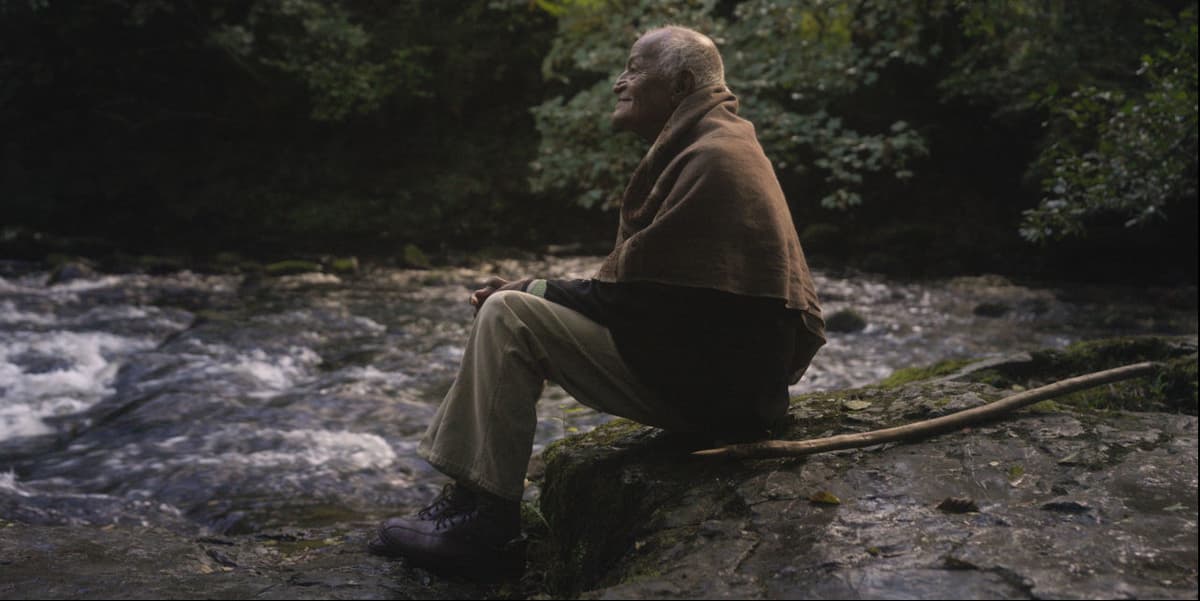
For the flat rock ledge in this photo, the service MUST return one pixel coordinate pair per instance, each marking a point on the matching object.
(1078, 497)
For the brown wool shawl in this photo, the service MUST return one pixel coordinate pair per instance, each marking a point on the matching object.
(704, 209)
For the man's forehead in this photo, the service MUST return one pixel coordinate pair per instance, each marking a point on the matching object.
(647, 46)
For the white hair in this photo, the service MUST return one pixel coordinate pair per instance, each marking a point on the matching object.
(686, 49)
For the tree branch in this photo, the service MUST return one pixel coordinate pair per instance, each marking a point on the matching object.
(922, 429)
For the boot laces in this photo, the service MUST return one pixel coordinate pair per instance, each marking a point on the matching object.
(451, 501)
(453, 517)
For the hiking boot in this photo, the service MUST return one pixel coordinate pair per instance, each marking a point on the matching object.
(460, 529)
(452, 497)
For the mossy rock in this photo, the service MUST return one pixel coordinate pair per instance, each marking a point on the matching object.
(630, 514)
(591, 531)
(915, 374)
(344, 265)
(292, 267)
(68, 271)
(414, 257)
(1171, 388)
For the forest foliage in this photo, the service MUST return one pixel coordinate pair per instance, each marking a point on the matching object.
(274, 124)
(840, 93)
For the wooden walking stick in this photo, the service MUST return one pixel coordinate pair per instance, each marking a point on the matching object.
(796, 448)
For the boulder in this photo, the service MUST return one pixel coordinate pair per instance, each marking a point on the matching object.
(1068, 498)
(845, 320)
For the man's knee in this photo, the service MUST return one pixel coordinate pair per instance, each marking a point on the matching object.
(505, 304)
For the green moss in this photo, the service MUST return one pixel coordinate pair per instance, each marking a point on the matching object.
(587, 522)
(414, 257)
(593, 518)
(992, 377)
(292, 267)
(1172, 387)
(344, 265)
(1015, 472)
(1111, 352)
(603, 436)
(1047, 406)
(157, 265)
(916, 374)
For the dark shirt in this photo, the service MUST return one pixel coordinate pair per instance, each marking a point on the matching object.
(722, 358)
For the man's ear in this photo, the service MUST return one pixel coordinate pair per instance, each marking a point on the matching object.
(685, 84)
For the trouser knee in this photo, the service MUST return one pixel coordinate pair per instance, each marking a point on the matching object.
(503, 307)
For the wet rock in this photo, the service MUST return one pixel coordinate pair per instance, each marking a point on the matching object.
(846, 320)
(958, 505)
(1066, 506)
(155, 563)
(1171, 388)
(33, 362)
(632, 515)
(991, 309)
(70, 271)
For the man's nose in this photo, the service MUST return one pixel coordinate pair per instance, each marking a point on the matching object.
(620, 84)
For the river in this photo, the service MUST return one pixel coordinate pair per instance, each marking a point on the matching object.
(233, 404)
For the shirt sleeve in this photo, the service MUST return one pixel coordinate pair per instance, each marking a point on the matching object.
(581, 296)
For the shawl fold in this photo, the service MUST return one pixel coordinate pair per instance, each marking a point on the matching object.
(704, 209)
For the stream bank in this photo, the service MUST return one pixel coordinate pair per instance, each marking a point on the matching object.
(1087, 496)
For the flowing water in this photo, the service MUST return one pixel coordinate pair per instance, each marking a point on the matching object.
(224, 403)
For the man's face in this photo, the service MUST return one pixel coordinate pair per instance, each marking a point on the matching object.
(643, 93)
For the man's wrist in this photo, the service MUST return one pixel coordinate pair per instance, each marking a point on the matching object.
(536, 287)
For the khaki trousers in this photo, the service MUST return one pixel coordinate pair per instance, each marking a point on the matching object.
(483, 431)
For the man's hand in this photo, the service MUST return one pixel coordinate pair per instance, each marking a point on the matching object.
(492, 286)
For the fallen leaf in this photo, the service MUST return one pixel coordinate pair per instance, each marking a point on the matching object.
(856, 405)
(825, 497)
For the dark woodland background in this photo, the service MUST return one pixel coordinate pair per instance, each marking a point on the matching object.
(1038, 138)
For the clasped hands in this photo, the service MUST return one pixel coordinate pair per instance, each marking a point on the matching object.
(492, 286)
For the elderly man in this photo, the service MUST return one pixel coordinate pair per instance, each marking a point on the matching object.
(697, 321)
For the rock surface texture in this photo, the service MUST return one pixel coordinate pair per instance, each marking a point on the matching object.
(1076, 498)
(62, 562)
